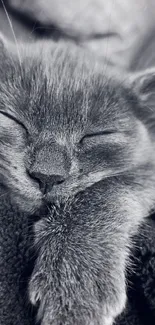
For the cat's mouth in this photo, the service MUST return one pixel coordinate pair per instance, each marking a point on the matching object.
(74, 185)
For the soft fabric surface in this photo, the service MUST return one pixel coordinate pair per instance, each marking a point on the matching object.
(14, 265)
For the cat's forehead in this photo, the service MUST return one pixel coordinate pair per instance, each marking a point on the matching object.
(62, 94)
(73, 104)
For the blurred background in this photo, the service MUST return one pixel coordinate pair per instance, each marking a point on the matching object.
(118, 30)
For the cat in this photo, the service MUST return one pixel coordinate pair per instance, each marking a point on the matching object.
(77, 151)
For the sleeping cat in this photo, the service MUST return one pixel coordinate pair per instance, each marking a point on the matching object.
(76, 150)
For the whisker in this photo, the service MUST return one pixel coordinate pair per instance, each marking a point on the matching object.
(13, 33)
(4, 194)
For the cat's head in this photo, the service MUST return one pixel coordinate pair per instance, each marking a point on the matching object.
(65, 123)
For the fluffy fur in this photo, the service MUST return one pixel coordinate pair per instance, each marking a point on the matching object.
(77, 150)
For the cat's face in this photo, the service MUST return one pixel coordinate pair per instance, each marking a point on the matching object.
(70, 134)
(64, 125)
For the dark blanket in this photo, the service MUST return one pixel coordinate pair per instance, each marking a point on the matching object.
(16, 264)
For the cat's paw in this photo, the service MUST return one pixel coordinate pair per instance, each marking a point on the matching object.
(37, 288)
(114, 308)
(41, 294)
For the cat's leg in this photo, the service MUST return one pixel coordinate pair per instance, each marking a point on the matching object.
(79, 276)
(85, 286)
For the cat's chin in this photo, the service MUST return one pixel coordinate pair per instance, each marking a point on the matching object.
(27, 205)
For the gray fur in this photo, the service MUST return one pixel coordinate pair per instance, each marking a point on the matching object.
(89, 140)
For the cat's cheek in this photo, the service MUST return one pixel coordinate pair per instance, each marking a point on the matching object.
(24, 194)
(28, 205)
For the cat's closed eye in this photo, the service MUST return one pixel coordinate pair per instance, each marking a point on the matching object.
(12, 131)
(7, 118)
(96, 138)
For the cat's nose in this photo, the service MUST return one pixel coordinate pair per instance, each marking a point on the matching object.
(46, 182)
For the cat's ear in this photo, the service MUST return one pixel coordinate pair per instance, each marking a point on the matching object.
(3, 42)
(8, 51)
(5, 46)
(143, 85)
